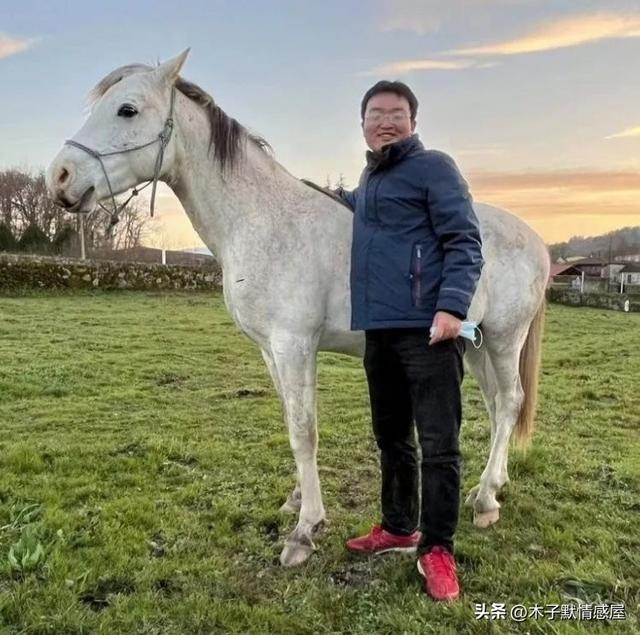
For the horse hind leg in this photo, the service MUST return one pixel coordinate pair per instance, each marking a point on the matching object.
(516, 365)
(480, 366)
(294, 500)
(509, 397)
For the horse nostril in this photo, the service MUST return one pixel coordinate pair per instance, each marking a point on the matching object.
(64, 175)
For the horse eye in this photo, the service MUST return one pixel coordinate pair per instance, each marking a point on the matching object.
(127, 110)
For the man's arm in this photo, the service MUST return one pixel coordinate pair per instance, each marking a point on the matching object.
(348, 197)
(458, 229)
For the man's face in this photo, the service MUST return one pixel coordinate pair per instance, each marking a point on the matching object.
(387, 119)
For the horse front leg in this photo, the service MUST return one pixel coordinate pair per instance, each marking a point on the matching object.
(295, 363)
(294, 500)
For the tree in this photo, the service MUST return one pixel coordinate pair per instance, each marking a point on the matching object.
(66, 241)
(25, 203)
(340, 182)
(617, 243)
(11, 182)
(559, 250)
(34, 240)
(8, 241)
(128, 232)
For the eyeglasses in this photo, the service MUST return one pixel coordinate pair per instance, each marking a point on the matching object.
(394, 117)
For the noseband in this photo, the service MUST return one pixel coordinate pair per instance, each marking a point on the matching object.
(163, 139)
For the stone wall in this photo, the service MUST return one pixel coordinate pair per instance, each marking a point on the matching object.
(20, 272)
(573, 297)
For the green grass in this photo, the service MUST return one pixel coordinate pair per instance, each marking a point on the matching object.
(142, 448)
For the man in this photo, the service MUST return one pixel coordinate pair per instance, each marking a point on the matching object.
(415, 262)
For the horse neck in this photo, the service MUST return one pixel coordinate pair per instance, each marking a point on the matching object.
(226, 208)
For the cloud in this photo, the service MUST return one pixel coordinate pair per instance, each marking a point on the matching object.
(420, 26)
(428, 16)
(12, 46)
(562, 33)
(480, 149)
(559, 204)
(558, 201)
(403, 67)
(628, 132)
(586, 180)
(413, 16)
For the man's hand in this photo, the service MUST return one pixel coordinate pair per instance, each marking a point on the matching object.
(445, 327)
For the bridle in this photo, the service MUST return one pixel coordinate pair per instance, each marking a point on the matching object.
(163, 138)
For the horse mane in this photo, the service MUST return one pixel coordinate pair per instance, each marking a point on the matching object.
(226, 134)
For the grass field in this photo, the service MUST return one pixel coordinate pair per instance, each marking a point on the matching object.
(143, 460)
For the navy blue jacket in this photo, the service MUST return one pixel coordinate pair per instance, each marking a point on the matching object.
(416, 239)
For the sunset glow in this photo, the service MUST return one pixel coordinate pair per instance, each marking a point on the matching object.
(536, 102)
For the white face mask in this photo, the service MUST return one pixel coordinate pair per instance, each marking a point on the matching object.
(468, 331)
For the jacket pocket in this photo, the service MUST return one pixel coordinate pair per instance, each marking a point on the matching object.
(416, 275)
(425, 275)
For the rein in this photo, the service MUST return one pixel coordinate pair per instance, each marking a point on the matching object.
(163, 138)
(326, 191)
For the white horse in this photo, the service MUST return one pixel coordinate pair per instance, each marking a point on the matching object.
(284, 249)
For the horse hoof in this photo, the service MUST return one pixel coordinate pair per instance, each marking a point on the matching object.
(471, 496)
(295, 553)
(482, 520)
(290, 507)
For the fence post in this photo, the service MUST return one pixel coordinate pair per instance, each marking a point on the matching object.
(83, 255)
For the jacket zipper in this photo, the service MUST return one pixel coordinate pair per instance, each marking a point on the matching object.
(367, 213)
(375, 197)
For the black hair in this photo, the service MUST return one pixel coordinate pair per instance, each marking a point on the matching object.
(385, 86)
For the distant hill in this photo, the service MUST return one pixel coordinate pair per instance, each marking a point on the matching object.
(620, 242)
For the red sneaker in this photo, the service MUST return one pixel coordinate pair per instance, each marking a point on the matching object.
(378, 540)
(438, 568)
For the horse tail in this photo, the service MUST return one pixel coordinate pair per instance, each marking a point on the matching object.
(529, 371)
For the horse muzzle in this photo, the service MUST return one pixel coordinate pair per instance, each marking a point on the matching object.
(85, 204)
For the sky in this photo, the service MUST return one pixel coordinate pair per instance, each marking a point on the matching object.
(536, 100)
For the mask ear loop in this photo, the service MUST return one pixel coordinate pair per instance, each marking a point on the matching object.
(474, 339)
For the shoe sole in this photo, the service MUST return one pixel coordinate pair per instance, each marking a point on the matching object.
(398, 549)
(381, 551)
(450, 599)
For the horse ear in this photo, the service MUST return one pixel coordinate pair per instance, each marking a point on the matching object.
(169, 71)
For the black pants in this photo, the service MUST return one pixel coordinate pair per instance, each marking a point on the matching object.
(412, 381)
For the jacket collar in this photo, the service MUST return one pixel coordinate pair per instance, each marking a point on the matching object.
(393, 152)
